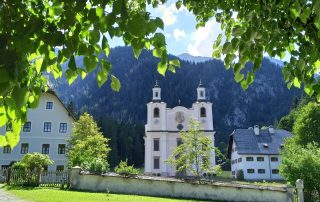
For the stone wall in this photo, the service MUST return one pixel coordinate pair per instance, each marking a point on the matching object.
(167, 187)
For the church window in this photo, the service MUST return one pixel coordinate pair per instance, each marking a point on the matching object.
(261, 171)
(156, 144)
(275, 171)
(203, 112)
(156, 113)
(201, 93)
(157, 94)
(179, 142)
(156, 163)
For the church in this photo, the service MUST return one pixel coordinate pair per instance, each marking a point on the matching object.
(162, 131)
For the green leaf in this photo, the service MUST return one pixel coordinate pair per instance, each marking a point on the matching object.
(71, 76)
(295, 10)
(94, 36)
(99, 11)
(82, 73)
(162, 68)
(159, 23)
(137, 25)
(90, 63)
(175, 62)
(105, 46)
(115, 83)
(157, 53)
(227, 47)
(102, 77)
(136, 52)
(72, 64)
(238, 77)
(178, 4)
(20, 96)
(305, 15)
(38, 64)
(296, 82)
(3, 116)
(159, 40)
(4, 76)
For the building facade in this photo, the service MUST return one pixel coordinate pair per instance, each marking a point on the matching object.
(256, 152)
(46, 131)
(162, 131)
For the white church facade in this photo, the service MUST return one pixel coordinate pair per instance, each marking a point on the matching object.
(46, 131)
(162, 131)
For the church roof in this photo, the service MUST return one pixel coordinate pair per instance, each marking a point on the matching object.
(267, 143)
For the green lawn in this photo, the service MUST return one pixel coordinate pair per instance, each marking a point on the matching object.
(56, 195)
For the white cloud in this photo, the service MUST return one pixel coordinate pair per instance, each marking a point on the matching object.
(169, 13)
(179, 34)
(203, 38)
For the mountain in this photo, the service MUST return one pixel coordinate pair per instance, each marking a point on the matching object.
(264, 102)
(190, 58)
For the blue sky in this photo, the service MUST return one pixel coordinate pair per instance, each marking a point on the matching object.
(180, 31)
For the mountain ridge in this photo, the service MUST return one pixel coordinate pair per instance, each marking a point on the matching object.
(264, 102)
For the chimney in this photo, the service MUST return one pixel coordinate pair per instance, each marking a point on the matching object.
(271, 129)
(256, 130)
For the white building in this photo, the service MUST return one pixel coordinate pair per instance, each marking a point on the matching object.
(46, 131)
(256, 152)
(164, 125)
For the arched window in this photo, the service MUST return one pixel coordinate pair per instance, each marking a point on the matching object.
(203, 112)
(156, 112)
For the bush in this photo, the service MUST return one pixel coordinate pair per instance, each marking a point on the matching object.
(124, 169)
(240, 175)
(33, 161)
(96, 165)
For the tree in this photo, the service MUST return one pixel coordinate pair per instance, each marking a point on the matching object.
(194, 154)
(307, 125)
(302, 162)
(87, 143)
(33, 161)
(301, 154)
(31, 32)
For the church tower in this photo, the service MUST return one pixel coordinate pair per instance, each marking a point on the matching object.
(163, 127)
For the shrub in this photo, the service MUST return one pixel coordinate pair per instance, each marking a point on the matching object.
(33, 161)
(240, 175)
(18, 166)
(124, 169)
(96, 165)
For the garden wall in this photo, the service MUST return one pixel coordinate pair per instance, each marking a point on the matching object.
(167, 187)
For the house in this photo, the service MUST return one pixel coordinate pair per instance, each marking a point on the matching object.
(46, 131)
(162, 131)
(256, 152)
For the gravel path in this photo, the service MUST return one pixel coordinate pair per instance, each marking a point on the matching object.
(7, 197)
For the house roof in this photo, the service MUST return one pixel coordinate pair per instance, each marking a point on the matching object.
(52, 92)
(247, 142)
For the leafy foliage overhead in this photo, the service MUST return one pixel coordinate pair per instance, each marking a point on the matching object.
(32, 31)
(39, 36)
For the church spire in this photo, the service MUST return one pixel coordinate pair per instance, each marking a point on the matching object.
(201, 92)
(156, 92)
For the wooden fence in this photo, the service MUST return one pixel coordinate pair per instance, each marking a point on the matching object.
(34, 178)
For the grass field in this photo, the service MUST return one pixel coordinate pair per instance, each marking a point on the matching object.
(56, 195)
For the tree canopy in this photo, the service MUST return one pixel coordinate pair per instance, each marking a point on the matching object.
(194, 154)
(38, 36)
(87, 143)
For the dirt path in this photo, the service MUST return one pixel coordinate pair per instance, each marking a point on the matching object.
(7, 197)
